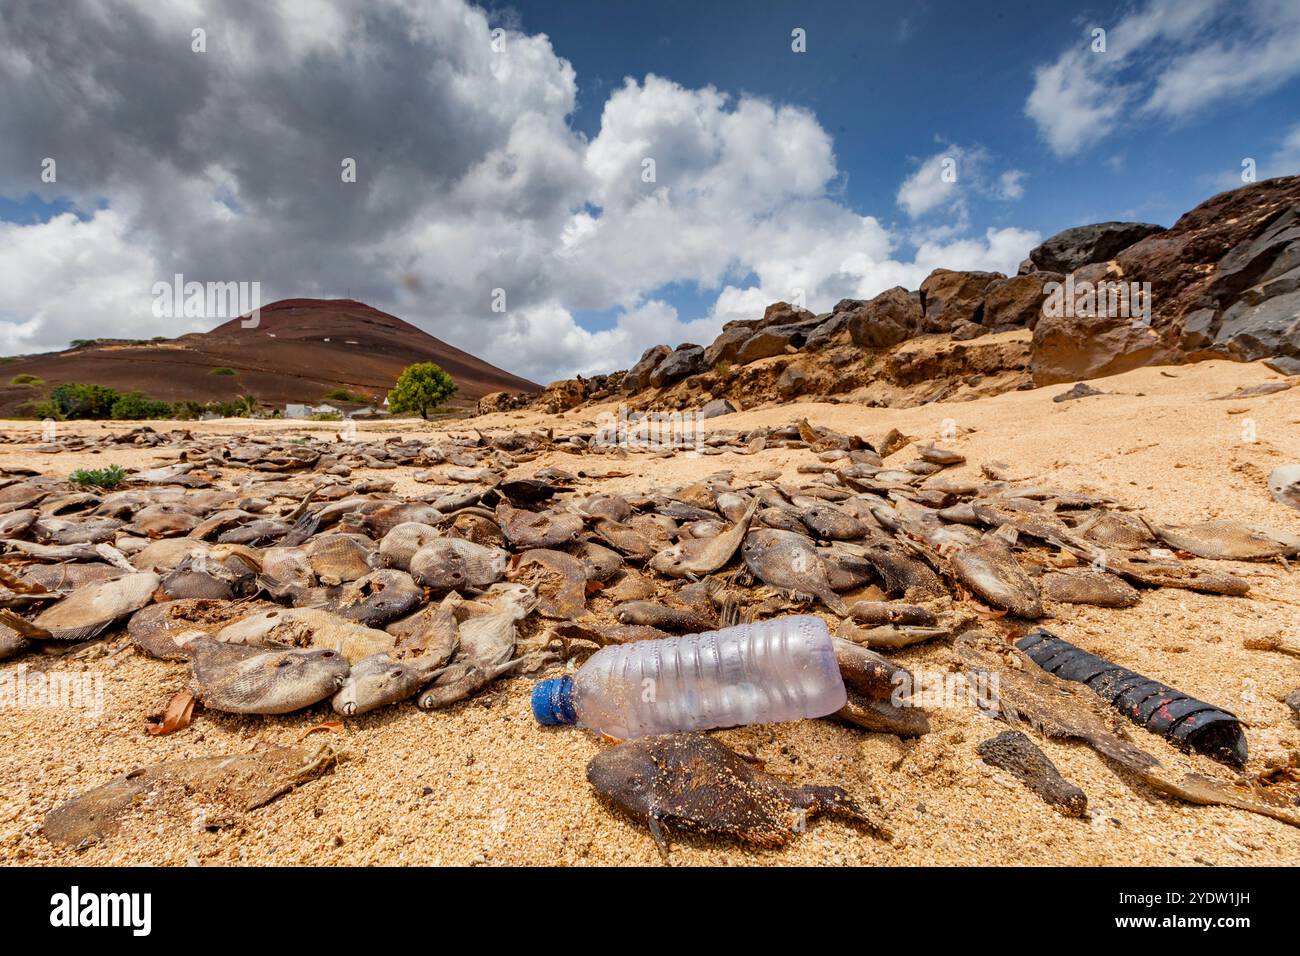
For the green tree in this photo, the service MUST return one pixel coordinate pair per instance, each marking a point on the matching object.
(420, 388)
(137, 405)
(84, 401)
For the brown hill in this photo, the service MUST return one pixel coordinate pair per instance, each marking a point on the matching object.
(300, 349)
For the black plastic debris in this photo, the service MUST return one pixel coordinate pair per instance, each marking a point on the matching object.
(1189, 723)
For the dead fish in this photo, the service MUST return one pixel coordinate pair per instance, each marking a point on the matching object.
(457, 564)
(462, 679)
(1284, 485)
(789, 562)
(488, 627)
(1110, 529)
(336, 558)
(90, 609)
(469, 475)
(11, 641)
(478, 526)
(431, 632)
(379, 680)
(891, 612)
(624, 538)
(69, 577)
(1176, 574)
(16, 523)
(221, 521)
(529, 490)
(827, 521)
(163, 521)
(665, 617)
(460, 498)
(153, 628)
(537, 529)
(168, 474)
(781, 519)
(1088, 587)
(373, 600)
(945, 457)
(193, 578)
(1229, 541)
(598, 562)
(76, 531)
(261, 531)
(846, 570)
(612, 507)
(398, 547)
(902, 572)
(560, 580)
(255, 680)
(59, 552)
(379, 518)
(697, 556)
(692, 782)
(1012, 751)
(224, 787)
(891, 636)
(285, 570)
(680, 511)
(604, 636)
(166, 553)
(306, 627)
(992, 572)
(1292, 700)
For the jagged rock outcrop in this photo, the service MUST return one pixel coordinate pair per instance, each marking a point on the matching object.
(1224, 282)
(502, 402)
(685, 360)
(561, 396)
(783, 313)
(889, 318)
(1017, 301)
(1072, 348)
(727, 344)
(950, 298)
(638, 376)
(773, 340)
(1082, 245)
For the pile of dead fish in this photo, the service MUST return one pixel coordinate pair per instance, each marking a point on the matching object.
(283, 581)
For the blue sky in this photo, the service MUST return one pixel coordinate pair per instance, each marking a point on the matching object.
(889, 80)
(778, 173)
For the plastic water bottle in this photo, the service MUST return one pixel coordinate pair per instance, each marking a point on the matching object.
(783, 669)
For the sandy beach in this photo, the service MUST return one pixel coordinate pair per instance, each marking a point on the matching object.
(482, 783)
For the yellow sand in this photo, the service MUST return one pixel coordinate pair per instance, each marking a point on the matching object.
(481, 783)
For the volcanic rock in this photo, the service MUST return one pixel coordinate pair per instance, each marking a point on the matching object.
(1072, 248)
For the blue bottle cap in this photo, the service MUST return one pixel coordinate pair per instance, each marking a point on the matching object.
(553, 701)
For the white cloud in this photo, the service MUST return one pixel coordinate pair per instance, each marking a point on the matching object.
(1170, 60)
(950, 178)
(1285, 161)
(470, 179)
(1011, 184)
